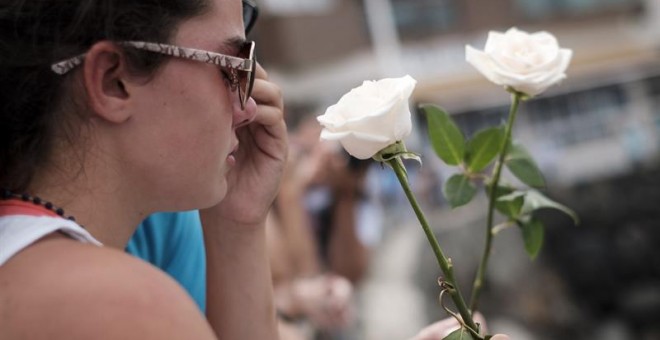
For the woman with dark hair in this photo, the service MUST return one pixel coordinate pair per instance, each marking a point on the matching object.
(111, 110)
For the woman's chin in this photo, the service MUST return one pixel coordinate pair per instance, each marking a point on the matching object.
(207, 198)
(216, 196)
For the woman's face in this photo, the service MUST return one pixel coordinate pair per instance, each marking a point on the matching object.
(185, 130)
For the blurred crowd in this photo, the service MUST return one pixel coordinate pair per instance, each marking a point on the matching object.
(321, 231)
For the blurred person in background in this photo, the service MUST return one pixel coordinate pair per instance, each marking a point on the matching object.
(314, 300)
(174, 242)
(345, 216)
(322, 229)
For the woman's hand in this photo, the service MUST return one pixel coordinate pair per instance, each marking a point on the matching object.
(254, 180)
(239, 298)
(325, 300)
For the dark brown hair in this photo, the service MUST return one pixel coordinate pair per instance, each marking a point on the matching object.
(36, 33)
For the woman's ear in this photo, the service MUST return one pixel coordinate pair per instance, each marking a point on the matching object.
(104, 74)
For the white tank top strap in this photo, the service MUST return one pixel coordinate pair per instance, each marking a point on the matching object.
(18, 232)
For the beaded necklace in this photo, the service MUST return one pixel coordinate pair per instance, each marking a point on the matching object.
(6, 194)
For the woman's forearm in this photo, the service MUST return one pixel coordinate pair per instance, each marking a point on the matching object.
(239, 289)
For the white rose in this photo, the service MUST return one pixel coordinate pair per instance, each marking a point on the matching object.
(528, 63)
(371, 117)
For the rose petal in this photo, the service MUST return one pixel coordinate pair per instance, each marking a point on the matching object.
(358, 145)
(370, 117)
(529, 63)
(494, 42)
(483, 63)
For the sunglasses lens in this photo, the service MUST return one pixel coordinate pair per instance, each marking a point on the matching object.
(246, 79)
(250, 13)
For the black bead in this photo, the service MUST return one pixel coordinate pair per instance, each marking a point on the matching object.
(8, 194)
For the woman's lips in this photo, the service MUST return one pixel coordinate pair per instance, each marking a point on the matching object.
(231, 158)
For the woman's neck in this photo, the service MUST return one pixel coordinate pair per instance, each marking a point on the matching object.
(98, 198)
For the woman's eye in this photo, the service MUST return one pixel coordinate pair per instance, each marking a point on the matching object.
(226, 76)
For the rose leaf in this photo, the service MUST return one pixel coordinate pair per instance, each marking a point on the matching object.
(483, 148)
(459, 334)
(509, 202)
(521, 164)
(446, 138)
(535, 200)
(459, 190)
(532, 233)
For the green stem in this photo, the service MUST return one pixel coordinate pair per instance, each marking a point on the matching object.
(445, 264)
(481, 271)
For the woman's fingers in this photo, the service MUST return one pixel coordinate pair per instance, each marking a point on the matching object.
(260, 72)
(267, 93)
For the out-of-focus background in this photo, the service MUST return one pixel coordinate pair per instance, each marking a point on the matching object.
(596, 137)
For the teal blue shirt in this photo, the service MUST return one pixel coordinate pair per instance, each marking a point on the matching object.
(174, 243)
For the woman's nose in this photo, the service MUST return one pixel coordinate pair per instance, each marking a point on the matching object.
(244, 116)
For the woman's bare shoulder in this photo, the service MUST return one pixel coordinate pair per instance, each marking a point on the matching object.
(60, 288)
